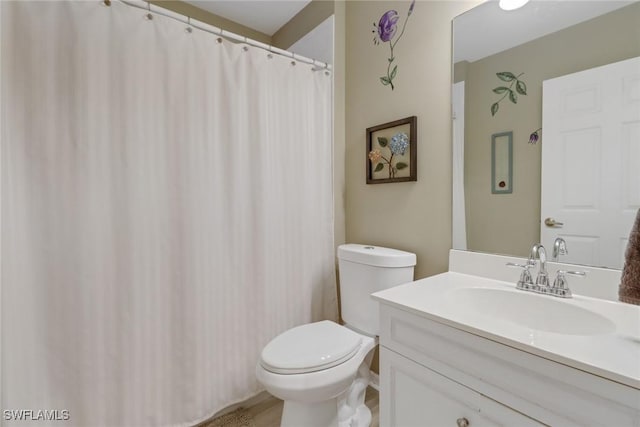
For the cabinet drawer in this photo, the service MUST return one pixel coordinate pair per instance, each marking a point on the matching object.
(412, 395)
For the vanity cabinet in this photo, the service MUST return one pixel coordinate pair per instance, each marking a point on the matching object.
(420, 396)
(434, 374)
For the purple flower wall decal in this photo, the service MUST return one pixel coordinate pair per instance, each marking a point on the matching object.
(385, 31)
(535, 136)
(387, 25)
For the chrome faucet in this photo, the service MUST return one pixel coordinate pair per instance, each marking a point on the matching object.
(538, 251)
(559, 248)
(560, 286)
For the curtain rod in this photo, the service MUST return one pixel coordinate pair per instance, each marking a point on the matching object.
(203, 26)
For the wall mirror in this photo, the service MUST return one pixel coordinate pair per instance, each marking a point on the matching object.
(523, 72)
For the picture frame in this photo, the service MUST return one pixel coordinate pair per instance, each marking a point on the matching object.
(502, 163)
(392, 151)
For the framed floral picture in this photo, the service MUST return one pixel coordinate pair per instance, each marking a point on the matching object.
(391, 151)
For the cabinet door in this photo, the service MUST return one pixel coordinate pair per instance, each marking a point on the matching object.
(412, 395)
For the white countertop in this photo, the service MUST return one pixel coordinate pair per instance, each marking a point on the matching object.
(614, 355)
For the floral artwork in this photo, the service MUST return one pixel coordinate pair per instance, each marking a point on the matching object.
(385, 31)
(508, 91)
(397, 147)
(391, 151)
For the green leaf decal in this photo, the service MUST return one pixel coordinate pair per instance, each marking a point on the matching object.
(506, 76)
(393, 72)
(385, 80)
(501, 89)
(513, 97)
(521, 87)
(401, 165)
(494, 109)
(379, 167)
(383, 141)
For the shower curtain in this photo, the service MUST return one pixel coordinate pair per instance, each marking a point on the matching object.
(166, 210)
(459, 233)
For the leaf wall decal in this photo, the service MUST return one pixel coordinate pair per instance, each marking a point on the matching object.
(510, 91)
(506, 76)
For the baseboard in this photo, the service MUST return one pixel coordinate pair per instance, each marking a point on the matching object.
(374, 380)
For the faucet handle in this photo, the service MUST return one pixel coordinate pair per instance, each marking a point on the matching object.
(561, 286)
(525, 282)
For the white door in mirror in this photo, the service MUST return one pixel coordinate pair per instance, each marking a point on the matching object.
(590, 161)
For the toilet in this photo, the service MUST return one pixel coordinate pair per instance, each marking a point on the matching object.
(321, 369)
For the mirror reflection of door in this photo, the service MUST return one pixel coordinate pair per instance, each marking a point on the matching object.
(590, 158)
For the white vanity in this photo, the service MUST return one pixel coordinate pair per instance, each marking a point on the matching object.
(459, 349)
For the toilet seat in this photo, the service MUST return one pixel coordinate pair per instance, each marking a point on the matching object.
(310, 348)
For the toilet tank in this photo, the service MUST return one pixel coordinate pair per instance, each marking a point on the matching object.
(363, 270)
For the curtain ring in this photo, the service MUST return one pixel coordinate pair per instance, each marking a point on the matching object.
(148, 16)
(188, 29)
(106, 3)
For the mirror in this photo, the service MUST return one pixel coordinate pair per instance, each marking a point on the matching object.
(501, 59)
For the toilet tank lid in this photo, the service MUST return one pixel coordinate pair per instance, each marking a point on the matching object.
(376, 255)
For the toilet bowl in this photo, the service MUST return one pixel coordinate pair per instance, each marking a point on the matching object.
(313, 366)
(321, 369)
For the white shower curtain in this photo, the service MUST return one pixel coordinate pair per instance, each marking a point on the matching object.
(459, 223)
(166, 210)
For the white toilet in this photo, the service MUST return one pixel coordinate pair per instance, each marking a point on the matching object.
(321, 370)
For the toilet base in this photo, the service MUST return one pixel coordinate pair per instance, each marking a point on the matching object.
(320, 414)
(347, 410)
(352, 411)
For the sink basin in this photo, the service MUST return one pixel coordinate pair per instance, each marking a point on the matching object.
(540, 312)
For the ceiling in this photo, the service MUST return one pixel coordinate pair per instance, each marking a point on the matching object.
(486, 29)
(266, 16)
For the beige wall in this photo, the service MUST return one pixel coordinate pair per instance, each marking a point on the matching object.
(510, 223)
(413, 216)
